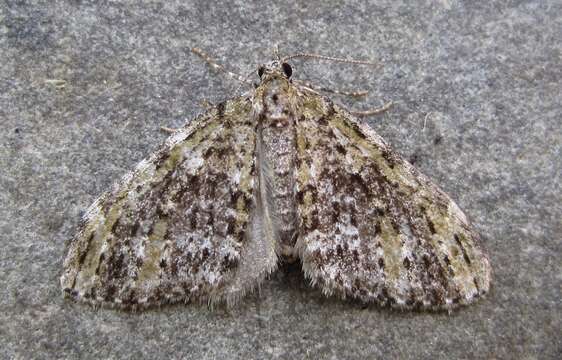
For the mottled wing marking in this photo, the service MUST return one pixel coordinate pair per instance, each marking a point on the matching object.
(372, 227)
(184, 226)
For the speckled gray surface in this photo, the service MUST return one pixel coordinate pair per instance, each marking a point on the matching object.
(478, 99)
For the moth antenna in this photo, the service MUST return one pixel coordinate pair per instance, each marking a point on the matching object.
(328, 58)
(218, 66)
(357, 93)
(246, 80)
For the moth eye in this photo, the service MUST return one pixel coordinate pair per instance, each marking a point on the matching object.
(261, 71)
(287, 69)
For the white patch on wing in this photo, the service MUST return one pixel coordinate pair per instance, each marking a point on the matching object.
(194, 161)
(236, 176)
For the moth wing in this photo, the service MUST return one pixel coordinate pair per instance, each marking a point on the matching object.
(371, 226)
(186, 225)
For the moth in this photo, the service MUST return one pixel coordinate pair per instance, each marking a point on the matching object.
(278, 173)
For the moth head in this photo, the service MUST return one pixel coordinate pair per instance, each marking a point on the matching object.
(275, 68)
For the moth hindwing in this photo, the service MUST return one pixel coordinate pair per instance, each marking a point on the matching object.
(278, 172)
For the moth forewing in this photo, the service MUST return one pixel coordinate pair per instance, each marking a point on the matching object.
(278, 172)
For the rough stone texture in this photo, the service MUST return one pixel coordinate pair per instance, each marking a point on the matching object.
(478, 99)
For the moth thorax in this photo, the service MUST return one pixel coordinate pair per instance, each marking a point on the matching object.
(276, 104)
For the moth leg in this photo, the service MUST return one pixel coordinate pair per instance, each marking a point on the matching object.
(311, 86)
(375, 111)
